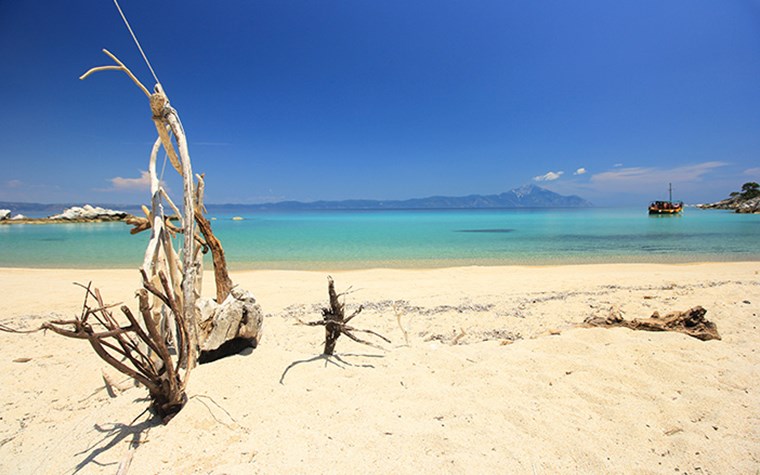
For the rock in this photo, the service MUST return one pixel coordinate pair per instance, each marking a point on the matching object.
(18, 217)
(89, 213)
(5, 214)
(749, 206)
(736, 203)
(237, 319)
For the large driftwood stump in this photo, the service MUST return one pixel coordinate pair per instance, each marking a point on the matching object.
(229, 327)
(691, 322)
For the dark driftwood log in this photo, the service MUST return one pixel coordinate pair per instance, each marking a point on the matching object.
(336, 323)
(334, 318)
(691, 322)
(221, 275)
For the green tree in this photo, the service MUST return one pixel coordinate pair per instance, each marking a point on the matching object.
(750, 190)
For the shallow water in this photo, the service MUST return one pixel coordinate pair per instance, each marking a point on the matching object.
(416, 238)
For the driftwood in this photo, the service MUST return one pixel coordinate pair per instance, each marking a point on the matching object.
(139, 351)
(691, 322)
(170, 297)
(237, 319)
(336, 323)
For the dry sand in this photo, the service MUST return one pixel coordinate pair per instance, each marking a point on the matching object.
(455, 398)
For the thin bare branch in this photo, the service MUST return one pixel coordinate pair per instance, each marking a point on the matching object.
(352, 329)
(120, 67)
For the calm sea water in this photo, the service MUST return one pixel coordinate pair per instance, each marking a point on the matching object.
(358, 239)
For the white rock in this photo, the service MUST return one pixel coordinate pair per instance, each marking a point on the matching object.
(89, 212)
(18, 216)
(5, 214)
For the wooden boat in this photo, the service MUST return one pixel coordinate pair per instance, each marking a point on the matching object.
(666, 207)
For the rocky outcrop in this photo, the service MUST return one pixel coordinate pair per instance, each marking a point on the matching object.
(736, 203)
(5, 214)
(89, 213)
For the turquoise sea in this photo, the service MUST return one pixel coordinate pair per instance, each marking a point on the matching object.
(411, 238)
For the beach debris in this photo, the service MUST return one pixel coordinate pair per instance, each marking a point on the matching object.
(459, 336)
(111, 386)
(502, 335)
(398, 312)
(692, 322)
(336, 323)
(674, 430)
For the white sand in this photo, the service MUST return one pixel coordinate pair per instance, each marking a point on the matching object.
(582, 401)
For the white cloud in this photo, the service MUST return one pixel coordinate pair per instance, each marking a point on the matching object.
(14, 183)
(130, 184)
(634, 178)
(549, 176)
(752, 172)
(617, 165)
(580, 171)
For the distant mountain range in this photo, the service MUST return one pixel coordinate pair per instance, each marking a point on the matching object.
(528, 196)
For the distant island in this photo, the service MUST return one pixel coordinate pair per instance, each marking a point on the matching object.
(528, 196)
(745, 201)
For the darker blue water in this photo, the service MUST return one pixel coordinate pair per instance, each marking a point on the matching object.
(356, 239)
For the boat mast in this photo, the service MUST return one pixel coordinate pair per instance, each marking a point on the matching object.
(670, 192)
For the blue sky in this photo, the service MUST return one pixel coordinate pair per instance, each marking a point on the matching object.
(310, 100)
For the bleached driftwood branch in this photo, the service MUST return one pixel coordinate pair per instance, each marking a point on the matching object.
(169, 300)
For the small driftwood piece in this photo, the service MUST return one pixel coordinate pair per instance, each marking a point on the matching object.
(691, 322)
(336, 323)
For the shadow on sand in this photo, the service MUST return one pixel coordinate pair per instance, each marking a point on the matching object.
(336, 360)
(115, 433)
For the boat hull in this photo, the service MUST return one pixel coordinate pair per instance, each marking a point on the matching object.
(665, 211)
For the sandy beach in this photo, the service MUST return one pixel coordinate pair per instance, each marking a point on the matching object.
(494, 376)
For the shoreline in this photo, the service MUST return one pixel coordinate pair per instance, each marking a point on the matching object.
(492, 373)
(412, 264)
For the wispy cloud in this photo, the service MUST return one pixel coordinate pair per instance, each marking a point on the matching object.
(752, 172)
(634, 178)
(580, 171)
(14, 184)
(549, 176)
